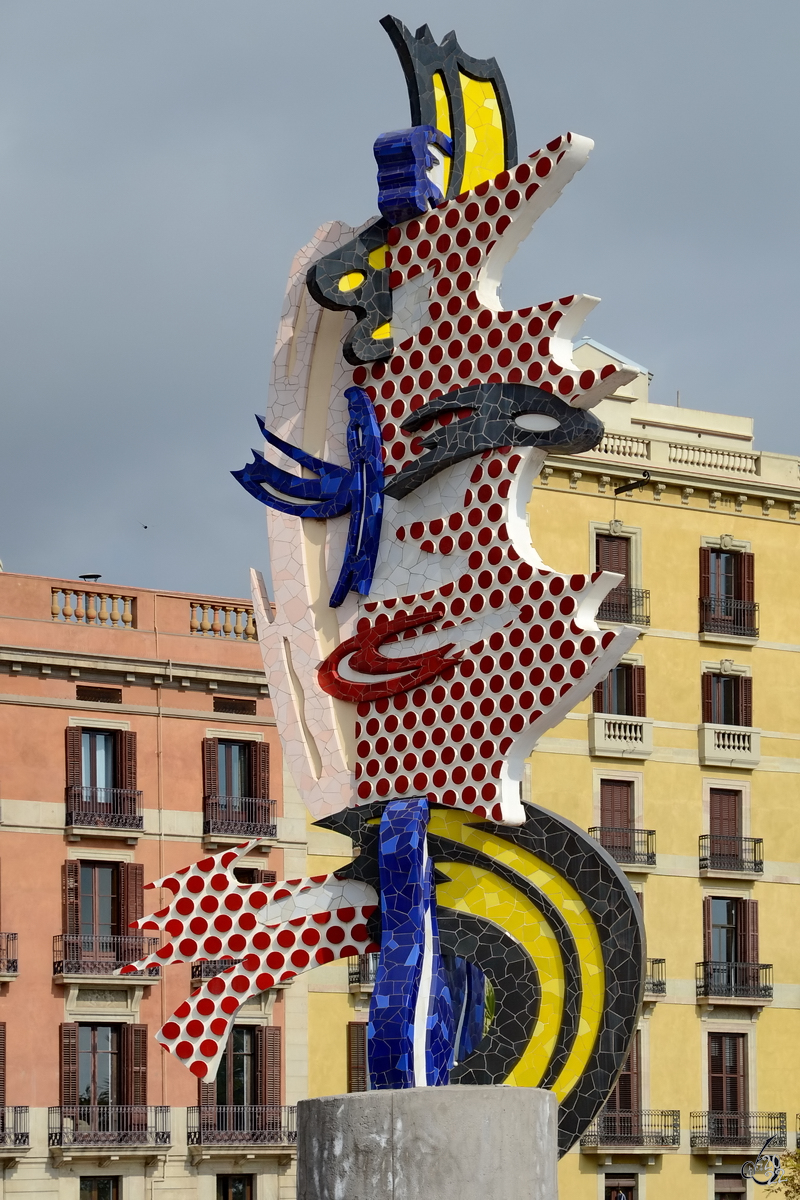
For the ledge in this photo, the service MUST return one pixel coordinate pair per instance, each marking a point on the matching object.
(728, 639)
(106, 1155)
(613, 736)
(283, 1155)
(735, 746)
(108, 981)
(709, 1002)
(77, 833)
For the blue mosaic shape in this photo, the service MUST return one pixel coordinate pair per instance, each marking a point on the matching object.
(467, 984)
(336, 491)
(404, 158)
(411, 998)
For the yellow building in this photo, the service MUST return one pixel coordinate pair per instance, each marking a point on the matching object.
(685, 765)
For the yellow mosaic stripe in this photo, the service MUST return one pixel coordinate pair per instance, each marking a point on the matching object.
(485, 150)
(443, 121)
(476, 891)
(457, 827)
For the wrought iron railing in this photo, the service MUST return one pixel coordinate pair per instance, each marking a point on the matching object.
(737, 980)
(108, 1125)
(731, 853)
(644, 1127)
(626, 604)
(211, 967)
(241, 816)
(241, 1125)
(746, 1129)
(720, 614)
(9, 961)
(98, 955)
(363, 969)
(634, 846)
(655, 981)
(104, 808)
(15, 1128)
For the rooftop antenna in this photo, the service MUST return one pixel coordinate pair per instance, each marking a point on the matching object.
(90, 578)
(678, 398)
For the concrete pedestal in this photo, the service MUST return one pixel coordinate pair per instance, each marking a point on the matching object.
(446, 1143)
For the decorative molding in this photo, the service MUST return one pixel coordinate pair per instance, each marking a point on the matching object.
(685, 494)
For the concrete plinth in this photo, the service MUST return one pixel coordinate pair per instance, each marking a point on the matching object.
(445, 1143)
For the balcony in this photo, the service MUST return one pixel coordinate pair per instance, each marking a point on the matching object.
(731, 855)
(9, 963)
(629, 847)
(104, 809)
(361, 973)
(613, 736)
(629, 605)
(646, 1129)
(739, 982)
(76, 957)
(239, 817)
(222, 1130)
(201, 971)
(655, 981)
(129, 1130)
(15, 1137)
(731, 618)
(736, 746)
(737, 1131)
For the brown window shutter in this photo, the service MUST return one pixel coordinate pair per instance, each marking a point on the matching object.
(259, 770)
(745, 699)
(74, 775)
(613, 554)
(705, 572)
(69, 1064)
(616, 804)
(639, 692)
(724, 813)
(707, 939)
(272, 1065)
(131, 896)
(748, 931)
(206, 1094)
(707, 685)
(125, 766)
(716, 1072)
(262, 876)
(640, 897)
(598, 701)
(2, 1065)
(210, 767)
(356, 1056)
(134, 1064)
(746, 577)
(741, 1073)
(71, 897)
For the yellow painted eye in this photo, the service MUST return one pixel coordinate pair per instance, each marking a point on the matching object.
(383, 331)
(348, 283)
(377, 258)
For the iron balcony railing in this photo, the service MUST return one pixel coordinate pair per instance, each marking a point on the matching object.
(748, 1130)
(242, 1125)
(9, 962)
(636, 847)
(241, 816)
(731, 853)
(720, 614)
(99, 955)
(210, 967)
(626, 604)
(108, 1125)
(104, 808)
(655, 981)
(15, 1130)
(363, 969)
(737, 980)
(645, 1127)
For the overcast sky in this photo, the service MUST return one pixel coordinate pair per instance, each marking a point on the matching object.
(163, 159)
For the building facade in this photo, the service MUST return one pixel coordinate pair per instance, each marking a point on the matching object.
(137, 735)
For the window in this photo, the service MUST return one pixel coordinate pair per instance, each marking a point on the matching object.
(100, 1187)
(99, 902)
(616, 804)
(620, 1189)
(254, 875)
(99, 695)
(230, 704)
(98, 758)
(727, 1091)
(724, 823)
(236, 1078)
(622, 692)
(614, 554)
(627, 1093)
(727, 699)
(234, 1187)
(249, 1073)
(730, 949)
(104, 1065)
(98, 1064)
(729, 1187)
(356, 1056)
(102, 899)
(727, 592)
(235, 770)
(101, 778)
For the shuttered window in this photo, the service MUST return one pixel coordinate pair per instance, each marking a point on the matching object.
(250, 1070)
(2, 1065)
(68, 1074)
(616, 804)
(99, 759)
(724, 813)
(614, 554)
(730, 930)
(102, 899)
(356, 1056)
(727, 575)
(727, 699)
(134, 1064)
(627, 1093)
(622, 692)
(727, 1090)
(232, 768)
